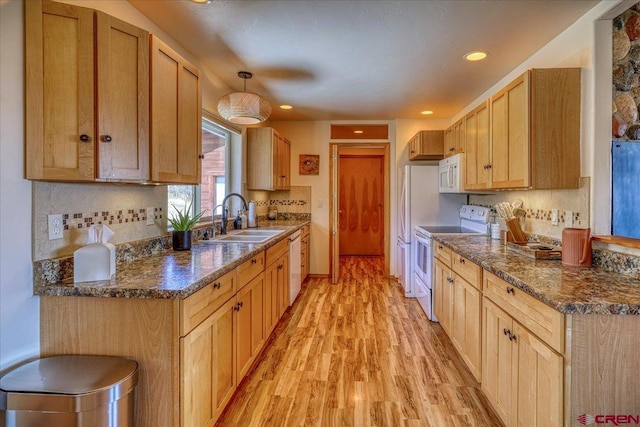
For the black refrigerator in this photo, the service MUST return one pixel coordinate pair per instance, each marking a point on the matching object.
(626, 188)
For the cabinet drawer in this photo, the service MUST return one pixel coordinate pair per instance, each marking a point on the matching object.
(443, 253)
(468, 270)
(545, 322)
(250, 269)
(277, 250)
(197, 307)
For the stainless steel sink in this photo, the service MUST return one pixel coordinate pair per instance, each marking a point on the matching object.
(245, 236)
(258, 232)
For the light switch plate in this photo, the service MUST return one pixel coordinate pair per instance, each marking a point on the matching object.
(150, 216)
(568, 218)
(554, 216)
(54, 226)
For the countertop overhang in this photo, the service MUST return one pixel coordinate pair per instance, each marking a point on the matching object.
(570, 290)
(172, 274)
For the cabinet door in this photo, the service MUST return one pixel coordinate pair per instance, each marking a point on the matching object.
(510, 157)
(459, 137)
(443, 289)
(271, 317)
(477, 148)
(207, 368)
(175, 117)
(467, 321)
(122, 99)
(283, 163)
(59, 103)
(249, 324)
(449, 146)
(283, 284)
(540, 386)
(499, 362)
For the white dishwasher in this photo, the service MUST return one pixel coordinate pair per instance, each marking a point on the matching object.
(295, 264)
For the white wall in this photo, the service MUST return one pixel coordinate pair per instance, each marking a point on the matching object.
(19, 328)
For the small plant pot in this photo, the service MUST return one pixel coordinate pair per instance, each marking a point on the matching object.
(181, 240)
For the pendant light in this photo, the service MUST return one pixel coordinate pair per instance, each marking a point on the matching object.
(244, 107)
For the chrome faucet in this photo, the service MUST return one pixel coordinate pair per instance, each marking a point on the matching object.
(225, 210)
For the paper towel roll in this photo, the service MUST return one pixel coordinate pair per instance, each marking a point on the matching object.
(253, 217)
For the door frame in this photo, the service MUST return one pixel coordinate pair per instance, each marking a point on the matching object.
(334, 230)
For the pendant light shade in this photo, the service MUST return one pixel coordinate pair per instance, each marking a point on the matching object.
(244, 108)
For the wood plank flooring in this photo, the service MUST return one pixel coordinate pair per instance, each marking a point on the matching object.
(358, 353)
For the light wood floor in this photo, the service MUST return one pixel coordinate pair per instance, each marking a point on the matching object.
(358, 354)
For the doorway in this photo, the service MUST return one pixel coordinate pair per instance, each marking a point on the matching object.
(359, 218)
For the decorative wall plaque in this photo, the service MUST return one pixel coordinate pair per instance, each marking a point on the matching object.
(309, 164)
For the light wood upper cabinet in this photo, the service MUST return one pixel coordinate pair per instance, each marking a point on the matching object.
(426, 145)
(535, 131)
(122, 71)
(477, 148)
(268, 160)
(176, 102)
(72, 135)
(59, 104)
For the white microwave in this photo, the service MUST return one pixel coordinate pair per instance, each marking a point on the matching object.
(451, 174)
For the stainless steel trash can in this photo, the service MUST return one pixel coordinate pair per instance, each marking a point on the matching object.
(70, 391)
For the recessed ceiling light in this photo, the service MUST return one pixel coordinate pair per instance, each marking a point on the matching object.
(201, 1)
(358, 131)
(426, 112)
(475, 56)
(286, 107)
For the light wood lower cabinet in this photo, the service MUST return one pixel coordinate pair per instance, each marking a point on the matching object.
(208, 355)
(250, 323)
(467, 324)
(522, 376)
(443, 295)
(305, 254)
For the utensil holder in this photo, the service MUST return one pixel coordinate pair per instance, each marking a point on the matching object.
(514, 228)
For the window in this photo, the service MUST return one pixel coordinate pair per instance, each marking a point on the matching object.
(213, 184)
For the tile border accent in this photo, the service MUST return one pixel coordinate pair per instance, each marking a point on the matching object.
(81, 220)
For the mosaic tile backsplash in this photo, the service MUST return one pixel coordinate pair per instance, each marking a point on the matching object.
(121, 216)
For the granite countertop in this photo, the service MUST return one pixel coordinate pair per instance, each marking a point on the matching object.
(570, 290)
(172, 274)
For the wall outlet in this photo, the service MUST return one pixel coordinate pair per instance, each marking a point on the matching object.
(554, 216)
(568, 218)
(150, 216)
(54, 226)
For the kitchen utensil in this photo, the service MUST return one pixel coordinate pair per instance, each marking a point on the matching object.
(576, 247)
(516, 204)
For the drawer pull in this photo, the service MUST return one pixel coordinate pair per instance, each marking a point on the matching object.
(240, 304)
(450, 279)
(512, 337)
(440, 247)
(510, 290)
(254, 261)
(280, 266)
(85, 138)
(461, 261)
(506, 331)
(216, 285)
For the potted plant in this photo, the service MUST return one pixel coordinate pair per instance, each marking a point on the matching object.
(182, 223)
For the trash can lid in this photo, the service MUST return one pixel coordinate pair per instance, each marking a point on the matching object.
(69, 374)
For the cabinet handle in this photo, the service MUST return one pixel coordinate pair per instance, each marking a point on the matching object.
(449, 279)
(254, 261)
(461, 260)
(489, 166)
(510, 290)
(85, 138)
(440, 247)
(452, 149)
(236, 308)
(507, 332)
(105, 138)
(216, 285)
(280, 267)
(201, 156)
(240, 304)
(512, 337)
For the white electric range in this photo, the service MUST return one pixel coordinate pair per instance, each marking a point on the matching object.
(474, 220)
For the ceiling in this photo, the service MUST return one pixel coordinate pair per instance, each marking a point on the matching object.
(363, 60)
